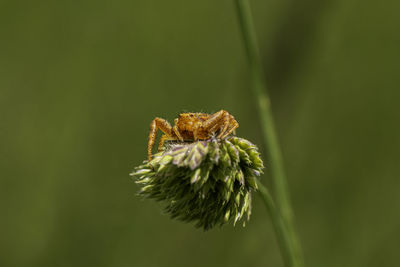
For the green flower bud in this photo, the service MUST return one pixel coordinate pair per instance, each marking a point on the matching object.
(206, 182)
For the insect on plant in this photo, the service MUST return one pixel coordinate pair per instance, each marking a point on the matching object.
(192, 127)
(207, 177)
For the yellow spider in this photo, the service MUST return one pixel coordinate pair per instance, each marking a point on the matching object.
(192, 127)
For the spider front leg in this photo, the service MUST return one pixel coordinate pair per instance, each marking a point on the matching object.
(161, 124)
(233, 124)
(226, 118)
(219, 120)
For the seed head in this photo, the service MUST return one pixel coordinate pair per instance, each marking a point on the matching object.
(206, 182)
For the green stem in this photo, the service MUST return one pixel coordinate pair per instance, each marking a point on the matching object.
(282, 214)
(281, 230)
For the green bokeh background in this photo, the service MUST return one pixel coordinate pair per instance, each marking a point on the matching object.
(80, 82)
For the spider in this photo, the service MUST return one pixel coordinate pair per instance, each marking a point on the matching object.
(192, 127)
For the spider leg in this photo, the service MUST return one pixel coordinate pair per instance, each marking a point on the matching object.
(176, 131)
(214, 122)
(213, 129)
(162, 140)
(161, 124)
(232, 127)
(226, 119)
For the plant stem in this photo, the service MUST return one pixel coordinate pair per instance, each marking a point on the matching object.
(279, 226)
(282, 214)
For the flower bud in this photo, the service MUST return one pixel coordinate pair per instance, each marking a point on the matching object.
(206, 182)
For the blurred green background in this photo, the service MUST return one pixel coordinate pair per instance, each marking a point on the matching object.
(80, 82)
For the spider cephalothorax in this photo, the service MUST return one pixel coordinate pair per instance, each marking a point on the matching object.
(192, 127)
